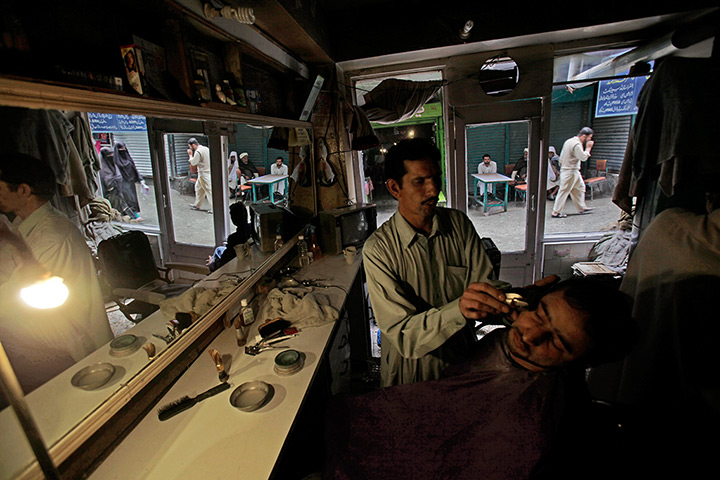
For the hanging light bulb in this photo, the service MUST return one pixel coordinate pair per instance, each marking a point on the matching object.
(49, 292)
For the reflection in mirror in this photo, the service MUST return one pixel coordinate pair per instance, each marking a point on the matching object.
(57, 358)
(498, 76)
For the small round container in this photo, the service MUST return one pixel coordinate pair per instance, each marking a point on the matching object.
(250, 396)
(93, 376)
(125, 345)
(288, 362)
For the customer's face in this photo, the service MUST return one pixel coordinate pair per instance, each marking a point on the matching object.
(486, 160)
(552, 335)
(418, 192)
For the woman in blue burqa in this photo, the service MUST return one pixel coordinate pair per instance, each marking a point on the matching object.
(130, 176)
(111, 180)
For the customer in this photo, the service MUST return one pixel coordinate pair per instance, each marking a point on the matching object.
(574, 151)
(497, 415)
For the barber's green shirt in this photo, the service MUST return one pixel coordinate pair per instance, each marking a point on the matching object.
(415, 282)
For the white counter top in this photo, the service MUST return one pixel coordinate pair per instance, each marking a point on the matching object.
(57, 407)
(213, 439)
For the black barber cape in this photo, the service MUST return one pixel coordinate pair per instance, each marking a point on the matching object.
(490, 420)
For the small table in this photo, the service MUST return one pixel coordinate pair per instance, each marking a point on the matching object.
(491, 179)
(268, 180)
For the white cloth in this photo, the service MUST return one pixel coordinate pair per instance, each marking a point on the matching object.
(300, 306)
(203, 185)
(281, 170)
(43, 343)
(673, 276)
(482, 168)
(553, 179)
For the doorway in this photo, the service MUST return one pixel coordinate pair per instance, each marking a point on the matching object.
(503, 131)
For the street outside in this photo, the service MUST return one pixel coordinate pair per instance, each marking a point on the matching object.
(507, 229)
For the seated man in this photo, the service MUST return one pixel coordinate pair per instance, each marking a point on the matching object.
(486, 166)
(498, 414)
(224, 253)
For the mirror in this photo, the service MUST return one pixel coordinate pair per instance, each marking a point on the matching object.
(153, 198)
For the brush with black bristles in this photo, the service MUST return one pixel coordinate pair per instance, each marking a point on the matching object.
(172, 409)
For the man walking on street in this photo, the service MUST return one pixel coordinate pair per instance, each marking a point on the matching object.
(200, 158)
(574, 151)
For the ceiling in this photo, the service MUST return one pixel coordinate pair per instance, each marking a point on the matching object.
(359, 29)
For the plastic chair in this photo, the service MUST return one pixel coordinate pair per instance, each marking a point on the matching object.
(136, 285)
(599, 180)
(521, 190)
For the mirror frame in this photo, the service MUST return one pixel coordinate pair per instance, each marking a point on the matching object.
(39, 95)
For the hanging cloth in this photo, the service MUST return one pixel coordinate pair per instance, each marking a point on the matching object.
(395, 100)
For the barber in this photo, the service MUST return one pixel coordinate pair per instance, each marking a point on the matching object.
(429, 278)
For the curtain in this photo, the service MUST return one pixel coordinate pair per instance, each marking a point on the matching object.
(395, 100)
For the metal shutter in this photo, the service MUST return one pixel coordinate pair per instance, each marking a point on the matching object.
(611, 137)
(482, 139)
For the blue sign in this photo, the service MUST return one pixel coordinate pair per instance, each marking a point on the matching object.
(110, 122)
(618, 97)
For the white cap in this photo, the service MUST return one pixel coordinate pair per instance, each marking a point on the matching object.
(243, 154)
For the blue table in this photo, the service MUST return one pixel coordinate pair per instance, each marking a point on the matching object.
(268, 180)
(491, 179)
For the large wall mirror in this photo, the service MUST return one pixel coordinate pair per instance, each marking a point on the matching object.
(140, 178)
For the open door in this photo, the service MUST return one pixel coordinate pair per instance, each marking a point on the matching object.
(190, 235)
(503, 130)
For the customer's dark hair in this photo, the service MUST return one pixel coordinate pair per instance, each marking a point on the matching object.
(585, 131)
(609, 323)
(412, 149)
(18, 168)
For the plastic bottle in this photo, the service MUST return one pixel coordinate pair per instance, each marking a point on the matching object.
(303, 258)
(278, 242)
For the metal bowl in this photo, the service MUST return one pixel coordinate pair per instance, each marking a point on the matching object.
(288, 362)
(250, 396)
(124, 345)
(93, 376)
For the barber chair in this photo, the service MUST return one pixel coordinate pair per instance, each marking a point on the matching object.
(137, 285)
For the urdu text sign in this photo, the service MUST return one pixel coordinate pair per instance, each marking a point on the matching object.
(618, 97)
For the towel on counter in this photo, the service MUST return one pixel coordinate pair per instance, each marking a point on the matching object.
(196, 300)
(300, 306)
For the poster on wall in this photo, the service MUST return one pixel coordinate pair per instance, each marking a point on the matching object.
(619, 96)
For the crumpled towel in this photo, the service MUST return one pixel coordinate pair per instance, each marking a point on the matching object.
(300, 306)
(196, 300)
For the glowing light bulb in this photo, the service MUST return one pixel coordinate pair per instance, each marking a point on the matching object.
(48, 293)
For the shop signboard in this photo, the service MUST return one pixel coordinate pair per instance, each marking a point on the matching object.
(110, 122)
(619, 96)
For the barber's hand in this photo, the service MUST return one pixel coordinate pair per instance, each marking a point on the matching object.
(589, 144)
(481, 299)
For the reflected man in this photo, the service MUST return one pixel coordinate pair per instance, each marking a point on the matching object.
(200, 158)
(43, 343)
(279, 168)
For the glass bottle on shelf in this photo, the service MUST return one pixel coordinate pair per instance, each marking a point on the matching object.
(303, 257)
(314, 247)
